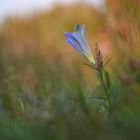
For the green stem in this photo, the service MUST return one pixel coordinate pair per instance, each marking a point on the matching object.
(101, 73)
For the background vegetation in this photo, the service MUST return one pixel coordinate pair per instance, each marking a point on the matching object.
(46, 91)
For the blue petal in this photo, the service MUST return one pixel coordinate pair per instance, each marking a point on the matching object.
(75, 45)
(79, 40)
(84, 38)
(68, 34)
(81, 35)
(83, 30)
(77, 27)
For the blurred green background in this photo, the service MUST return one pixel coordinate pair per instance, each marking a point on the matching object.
(46, 90)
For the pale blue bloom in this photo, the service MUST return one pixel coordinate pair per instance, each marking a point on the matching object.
(78, 41)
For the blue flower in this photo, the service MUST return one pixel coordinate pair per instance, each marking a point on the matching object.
(78, 41)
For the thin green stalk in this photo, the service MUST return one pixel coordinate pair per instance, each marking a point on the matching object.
(101, 73)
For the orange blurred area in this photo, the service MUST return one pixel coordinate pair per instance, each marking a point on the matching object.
(43, 34)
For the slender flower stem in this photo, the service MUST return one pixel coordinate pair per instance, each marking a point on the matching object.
(101, 73)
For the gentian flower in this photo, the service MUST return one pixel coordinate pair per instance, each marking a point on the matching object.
(78, 41)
